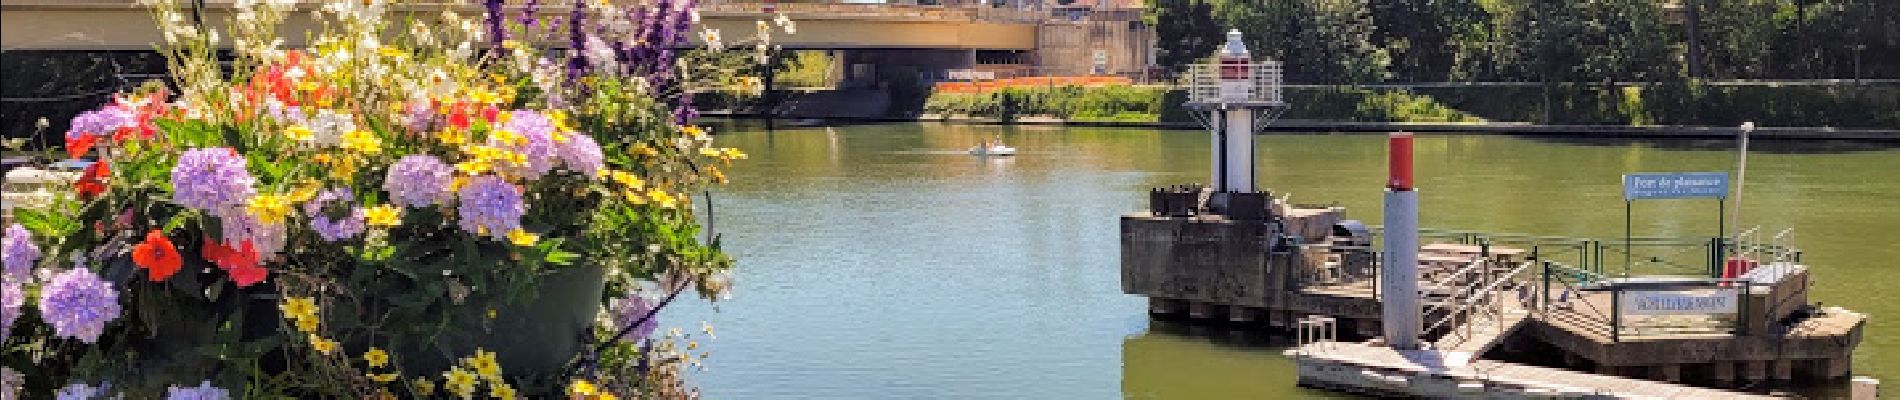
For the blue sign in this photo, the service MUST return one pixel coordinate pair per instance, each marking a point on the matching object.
(1675, 185)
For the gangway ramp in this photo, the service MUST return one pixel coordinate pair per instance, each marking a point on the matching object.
(1443, 374)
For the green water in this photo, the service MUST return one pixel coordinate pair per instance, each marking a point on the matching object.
(882, 262)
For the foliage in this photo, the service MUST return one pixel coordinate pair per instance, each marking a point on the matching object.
(349, 219)
(1585, 41)
(1185, 31)
(1320, 41)
(1073, 103)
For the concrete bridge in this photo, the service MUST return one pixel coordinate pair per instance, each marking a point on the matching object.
(124, 25)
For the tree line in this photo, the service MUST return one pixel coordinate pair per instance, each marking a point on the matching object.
(1369, 41)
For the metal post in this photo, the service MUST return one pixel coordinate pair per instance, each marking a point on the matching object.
(1741, 173)
(1741, 315)
(1616, 314)
(1628, 250)
(1543, 303)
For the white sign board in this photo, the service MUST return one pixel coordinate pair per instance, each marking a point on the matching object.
(971, 75)
(1687, 302)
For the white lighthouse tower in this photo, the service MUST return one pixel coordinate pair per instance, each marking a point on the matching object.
(1238, 95)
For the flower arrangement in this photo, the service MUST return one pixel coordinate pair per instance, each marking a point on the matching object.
(402, 208)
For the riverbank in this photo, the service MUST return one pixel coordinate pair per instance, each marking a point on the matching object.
(1295, 126)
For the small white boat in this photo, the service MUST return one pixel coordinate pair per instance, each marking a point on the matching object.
(993, 148)
(996, 150)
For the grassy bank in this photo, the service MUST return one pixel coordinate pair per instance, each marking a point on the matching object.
(1843, 106)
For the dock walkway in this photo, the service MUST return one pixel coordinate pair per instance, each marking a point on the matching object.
(1449, 374)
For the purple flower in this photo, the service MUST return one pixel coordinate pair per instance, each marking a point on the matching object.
(490, 206)
(204, 391)
(18, 253)
(78, 305)
(331, 228)
(12, 297)
(266, 238)
(418, 117)
(10, 383)
(212, 179)
(102, 121)
(581, 154)
(629, 309)
(537, 146)
(418, 180)
(79, 391)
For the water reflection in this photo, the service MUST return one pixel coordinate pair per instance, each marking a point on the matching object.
(883, 261)
(1190, 361)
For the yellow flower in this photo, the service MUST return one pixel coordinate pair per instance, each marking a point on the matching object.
(299, 133)
(322, 345)
(304, 192)
(662, 198)
(633, 196)
(522, 237)
(423, 386)
(485, 364)
(472, 167)
(362, 141)
(307, 324)
(376, 357)
(734, 153)
(383, 215)
(709, 152)
(383, 378)
(627, 179)
(298, 307)
(392, 51)
(507, 137)
(502, 391)
(270, 209)
(560, 120)
(458, 380)
(581, 387)
(307, 86)
(451, 136)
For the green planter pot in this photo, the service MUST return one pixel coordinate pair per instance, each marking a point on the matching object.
(530, 338)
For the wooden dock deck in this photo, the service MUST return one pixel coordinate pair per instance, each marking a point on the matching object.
(1452, 374)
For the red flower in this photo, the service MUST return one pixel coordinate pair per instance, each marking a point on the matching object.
(76, 147)
(92, 182)
(491, 114)
(158, 255)
(240, 263)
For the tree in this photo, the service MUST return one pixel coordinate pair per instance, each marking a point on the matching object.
(1185, 31)
(1322, 41)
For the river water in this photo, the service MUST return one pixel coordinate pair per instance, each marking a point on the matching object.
(881, 261)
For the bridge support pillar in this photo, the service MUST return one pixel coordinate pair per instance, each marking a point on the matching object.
(1724, 372)
(1666, 372)
(1755, 370)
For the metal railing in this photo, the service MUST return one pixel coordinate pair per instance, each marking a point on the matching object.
(1479, 304)
(1578, 293)
(1263, 80)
